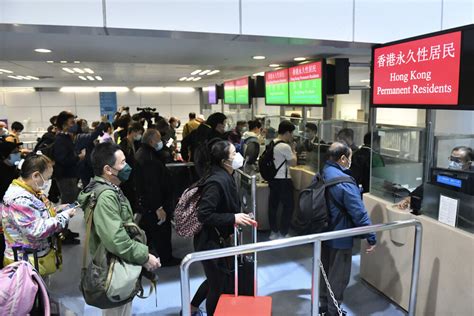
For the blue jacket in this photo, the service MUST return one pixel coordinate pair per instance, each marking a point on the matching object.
(348, 195)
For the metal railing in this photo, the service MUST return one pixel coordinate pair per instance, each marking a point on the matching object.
(179, 164)
(316, 240)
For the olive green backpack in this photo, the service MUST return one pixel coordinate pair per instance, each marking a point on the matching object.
(108, 281)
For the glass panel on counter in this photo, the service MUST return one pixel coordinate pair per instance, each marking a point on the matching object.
(448, 194)
(397, 161)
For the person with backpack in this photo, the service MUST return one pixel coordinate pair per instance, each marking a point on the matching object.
(218, 211)
(29, 219)
(251, 146)
(111, 213)
(346, 210)
(281, 185)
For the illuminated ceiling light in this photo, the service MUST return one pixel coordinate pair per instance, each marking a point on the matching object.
(68, 70)
(305, 62)
(82, 77)
(98, 78)
(259, 74)
(6, 71)
(17, 89)
(179, 89)
(274, 65)
(112, 89)
(148, 89)
(195, 72)
(43, 50)
(182, 78)
(299, 58)
(63, 61)
(78, 89)
(24, 77)
(33, 77)
(197, 79)
(204, 72)
(190, 79)
(213, 72)
(78, 70)
(90, 78)
(50, 61)
(259, 57)
(14, 77)
(77, 62)
(88, 70)
(365, 80)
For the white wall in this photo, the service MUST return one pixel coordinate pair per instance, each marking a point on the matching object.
(402, 117)
(346, 105)
(374, 21)
(38, 107)
(454, 122)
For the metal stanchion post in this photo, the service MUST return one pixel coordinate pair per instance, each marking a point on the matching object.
(415, 270)
(315, 279)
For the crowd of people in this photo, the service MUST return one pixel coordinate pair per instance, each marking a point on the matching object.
(116, 172)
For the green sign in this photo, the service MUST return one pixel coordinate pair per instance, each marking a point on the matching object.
(276, 87)
(306, 84)
(229, 92)
(242, 91)
(306, 92)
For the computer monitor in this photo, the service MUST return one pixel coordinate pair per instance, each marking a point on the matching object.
(456, 180)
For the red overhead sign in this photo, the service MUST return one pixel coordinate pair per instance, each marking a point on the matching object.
(423, 71)
(277, 76)
(306, 72)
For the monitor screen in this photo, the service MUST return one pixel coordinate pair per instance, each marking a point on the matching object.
(449, 181)
(306, 84)
(242, 92)
(423, 71)
(229, 92)
(211, 94)
(276, 87)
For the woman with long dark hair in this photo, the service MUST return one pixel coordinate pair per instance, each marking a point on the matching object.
(218, 211)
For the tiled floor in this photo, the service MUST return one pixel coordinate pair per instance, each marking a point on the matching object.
(284, 274)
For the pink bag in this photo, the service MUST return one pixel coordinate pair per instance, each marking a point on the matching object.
(19, 284)
(185, 213)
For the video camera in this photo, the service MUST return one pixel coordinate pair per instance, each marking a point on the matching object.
(148, 114)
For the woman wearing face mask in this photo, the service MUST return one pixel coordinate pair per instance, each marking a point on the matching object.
(9, 158)
(29, 220)
(218, 211)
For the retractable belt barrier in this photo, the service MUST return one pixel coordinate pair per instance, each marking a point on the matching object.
(314, 239)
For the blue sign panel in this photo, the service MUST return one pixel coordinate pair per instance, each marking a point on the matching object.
(108, 104)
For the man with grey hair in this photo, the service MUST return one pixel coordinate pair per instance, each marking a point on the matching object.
(154, 196)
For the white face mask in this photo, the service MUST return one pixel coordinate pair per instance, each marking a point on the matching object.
(45, 185)
(238, 161)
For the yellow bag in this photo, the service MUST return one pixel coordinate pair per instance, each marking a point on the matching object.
(47, 264)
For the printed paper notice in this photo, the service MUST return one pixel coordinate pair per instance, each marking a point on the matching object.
(448, 210)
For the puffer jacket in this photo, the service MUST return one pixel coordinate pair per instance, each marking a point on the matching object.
(347, 195)
(28, 220)
(112, 210)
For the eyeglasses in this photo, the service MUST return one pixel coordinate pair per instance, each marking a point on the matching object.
(455, 159)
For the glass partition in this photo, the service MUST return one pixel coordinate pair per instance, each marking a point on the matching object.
(397, 161)
(448, 194)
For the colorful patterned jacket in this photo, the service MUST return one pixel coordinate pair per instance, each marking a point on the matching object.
(28, 219)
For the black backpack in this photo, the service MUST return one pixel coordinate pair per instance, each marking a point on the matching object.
(312, 216)
(266, 164)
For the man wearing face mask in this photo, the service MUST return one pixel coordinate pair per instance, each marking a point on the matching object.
(154, 196)
(134, 135)
(111, 212)
(346, 210)
(460, 159)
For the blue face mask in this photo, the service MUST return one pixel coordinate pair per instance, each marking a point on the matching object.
(455, 165)
(14, 159)
(124, 173)
(159, 146)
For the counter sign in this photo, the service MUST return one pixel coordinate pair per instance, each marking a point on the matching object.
(418, 72)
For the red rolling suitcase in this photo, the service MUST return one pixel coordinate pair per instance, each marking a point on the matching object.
(245, 300)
